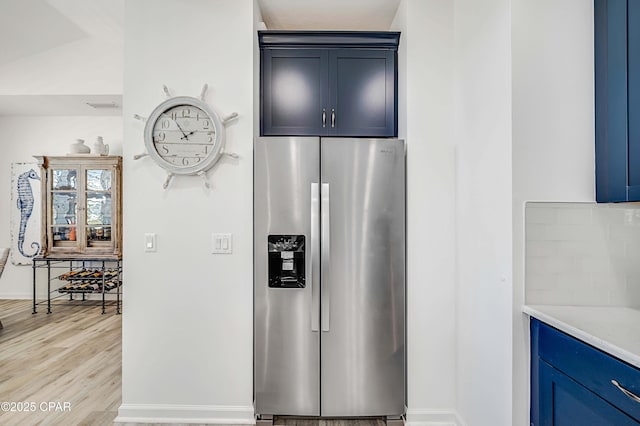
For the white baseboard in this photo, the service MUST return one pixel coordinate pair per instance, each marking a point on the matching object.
(428, 417)
(244, 415)
(18, 296)
(185, 414)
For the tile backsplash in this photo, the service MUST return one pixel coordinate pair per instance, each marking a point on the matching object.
(582, 254)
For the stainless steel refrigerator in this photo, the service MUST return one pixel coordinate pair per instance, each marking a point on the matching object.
(329, 281)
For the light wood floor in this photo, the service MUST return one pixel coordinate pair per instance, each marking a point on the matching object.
(72, 355)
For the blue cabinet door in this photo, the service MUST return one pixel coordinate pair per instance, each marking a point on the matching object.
(617, 100)
(633, 70)
(563, 402)
(363, 92)
(294, 95)
(571, 382)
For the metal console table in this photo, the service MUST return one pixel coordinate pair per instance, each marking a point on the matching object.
(73, 277)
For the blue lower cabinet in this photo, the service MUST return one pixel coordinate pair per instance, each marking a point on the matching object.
(564, 402)
(571, 383)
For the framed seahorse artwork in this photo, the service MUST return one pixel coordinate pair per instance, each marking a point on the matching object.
(26, 210)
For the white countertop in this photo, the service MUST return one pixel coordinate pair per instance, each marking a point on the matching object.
(615, 330)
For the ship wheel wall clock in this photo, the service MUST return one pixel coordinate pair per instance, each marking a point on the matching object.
(185, 136)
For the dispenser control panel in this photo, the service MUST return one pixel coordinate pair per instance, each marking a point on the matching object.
(286, 261)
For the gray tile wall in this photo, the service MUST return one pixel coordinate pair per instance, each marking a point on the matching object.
(582, 254)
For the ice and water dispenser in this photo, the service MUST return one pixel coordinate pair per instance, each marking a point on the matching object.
(286, 261)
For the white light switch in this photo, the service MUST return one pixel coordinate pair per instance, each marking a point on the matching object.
(150, 242)
(221, 243)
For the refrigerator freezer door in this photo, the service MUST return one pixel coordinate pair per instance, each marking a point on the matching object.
(286, 336)
(363, 351)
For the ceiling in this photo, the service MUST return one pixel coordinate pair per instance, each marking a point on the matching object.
(31, 28)
(34, 26)
(328, 14)
(24, 21)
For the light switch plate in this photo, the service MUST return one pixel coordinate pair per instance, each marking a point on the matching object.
(150, 243)
(221, 243)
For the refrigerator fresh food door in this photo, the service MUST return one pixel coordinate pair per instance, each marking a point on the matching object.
(363, 277)
(286, 282)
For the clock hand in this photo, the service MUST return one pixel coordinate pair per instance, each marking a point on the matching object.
(188, 134)
(177, 124)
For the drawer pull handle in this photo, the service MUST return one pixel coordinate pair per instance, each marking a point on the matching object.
(630, 394)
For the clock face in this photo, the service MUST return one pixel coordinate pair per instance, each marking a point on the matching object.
(184, 136)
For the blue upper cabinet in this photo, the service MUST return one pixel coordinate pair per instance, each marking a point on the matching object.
(633, 66)
(617, 100)
(339, 83)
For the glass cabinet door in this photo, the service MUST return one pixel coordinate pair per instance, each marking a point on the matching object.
(64, 207)
(98, 202)
(82, 206)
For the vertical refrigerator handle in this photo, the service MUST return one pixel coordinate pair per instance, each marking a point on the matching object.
(325, 231)
(313, 270)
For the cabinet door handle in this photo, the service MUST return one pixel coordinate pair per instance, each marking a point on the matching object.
(324, 117)
(333, 117)
(628, 393)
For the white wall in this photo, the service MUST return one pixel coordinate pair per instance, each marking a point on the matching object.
(484, 230)
(24, 137)
(426, 122)
(187, 324)
(553, 134)
(257, 23)
(546, 154)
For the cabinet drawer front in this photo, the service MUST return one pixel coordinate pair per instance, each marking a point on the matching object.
(591, 367)
(566, 402)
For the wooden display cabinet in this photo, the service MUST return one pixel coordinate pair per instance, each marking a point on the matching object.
(81, 206)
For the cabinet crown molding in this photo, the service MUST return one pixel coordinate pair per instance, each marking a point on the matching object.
(324, 39)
